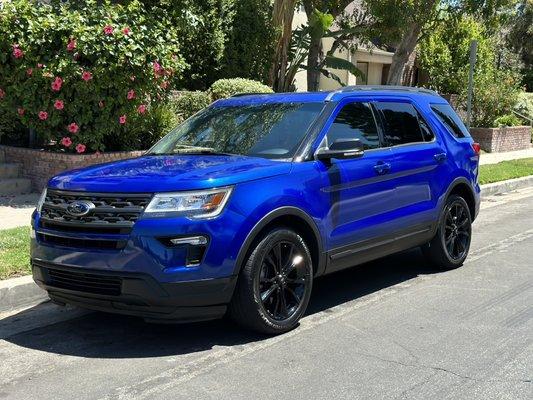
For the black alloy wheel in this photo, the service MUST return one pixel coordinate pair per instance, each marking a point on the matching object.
(275, 283)
(450, 245)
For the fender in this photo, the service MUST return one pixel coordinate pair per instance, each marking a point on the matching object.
(451, 186)
(271, 216)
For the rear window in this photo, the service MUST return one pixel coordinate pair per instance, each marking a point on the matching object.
(450, 119)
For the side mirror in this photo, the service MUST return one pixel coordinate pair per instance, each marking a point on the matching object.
(341, 149)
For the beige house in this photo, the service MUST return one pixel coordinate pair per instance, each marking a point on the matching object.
(374, 63)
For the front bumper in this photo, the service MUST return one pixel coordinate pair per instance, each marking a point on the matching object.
(136, 294)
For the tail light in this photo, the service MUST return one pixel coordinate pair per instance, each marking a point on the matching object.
(477, 148)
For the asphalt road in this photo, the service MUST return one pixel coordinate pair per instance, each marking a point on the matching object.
(389, 329)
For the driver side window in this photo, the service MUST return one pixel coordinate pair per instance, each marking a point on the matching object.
(355, 121)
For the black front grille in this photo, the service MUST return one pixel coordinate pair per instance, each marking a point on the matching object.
(84, 282)
(82, 243)
(113, 213)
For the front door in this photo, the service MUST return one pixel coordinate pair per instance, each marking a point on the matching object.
(359, 190)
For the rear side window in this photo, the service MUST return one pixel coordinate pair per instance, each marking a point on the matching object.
(403, 124)
(355, 121)
(450, 119)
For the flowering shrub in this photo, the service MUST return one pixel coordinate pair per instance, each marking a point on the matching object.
(82, 74)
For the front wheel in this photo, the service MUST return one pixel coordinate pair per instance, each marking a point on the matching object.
(275, 284)
(450, 246)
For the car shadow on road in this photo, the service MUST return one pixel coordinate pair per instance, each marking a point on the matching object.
(100, 335)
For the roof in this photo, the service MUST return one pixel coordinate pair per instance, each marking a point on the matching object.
(335, 95)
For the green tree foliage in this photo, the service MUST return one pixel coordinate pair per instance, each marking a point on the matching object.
(250, 41)
(83, 75)
(520, 39)
(202, 26)
(444, 54)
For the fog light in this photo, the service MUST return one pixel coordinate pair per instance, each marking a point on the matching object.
(192, 240)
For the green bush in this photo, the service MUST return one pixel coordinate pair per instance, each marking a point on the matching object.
(507, 120)
(495, 94)
(524, 105)
(228, 87)
(86, 73)
(189, 103)
(250, 41)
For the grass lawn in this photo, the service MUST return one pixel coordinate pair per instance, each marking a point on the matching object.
(505, 170)
(14, 252)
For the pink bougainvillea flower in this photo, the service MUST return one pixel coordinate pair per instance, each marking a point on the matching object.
(73, 128)
(43, 115)
(132, 78)
(56, 84)
(80, 148)
(59, 105)
(108, 30)
(101, 104)
(66, 141)
(71, 45)
(2, 94)
(141, 109)
(17, 52)
(131, 94)
(29, 71)
(122, 119)
(21, 111)
(86, 76)
(39, 65)
(157, 67)
(126, 31)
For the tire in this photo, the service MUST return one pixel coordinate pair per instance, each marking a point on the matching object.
(449, 248)
(272, 292)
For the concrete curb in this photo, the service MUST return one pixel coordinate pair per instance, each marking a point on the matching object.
(23, 292)
(491, 189)
(20, 292)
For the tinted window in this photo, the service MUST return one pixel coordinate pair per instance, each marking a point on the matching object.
(427, 134)
(450, 119)
(401, 123)
(355, 121)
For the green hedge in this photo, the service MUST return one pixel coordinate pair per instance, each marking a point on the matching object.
(228, 87)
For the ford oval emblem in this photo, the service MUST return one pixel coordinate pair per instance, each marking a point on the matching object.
(79, 208)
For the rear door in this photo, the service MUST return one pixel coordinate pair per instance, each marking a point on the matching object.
(420, 162)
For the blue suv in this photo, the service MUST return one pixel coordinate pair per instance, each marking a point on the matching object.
(241, 207)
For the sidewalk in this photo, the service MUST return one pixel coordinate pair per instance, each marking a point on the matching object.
(494, 158)
(16, 210)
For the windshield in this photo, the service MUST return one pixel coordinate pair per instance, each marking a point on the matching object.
(269, 130)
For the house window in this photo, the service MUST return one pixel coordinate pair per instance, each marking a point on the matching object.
(363, 67)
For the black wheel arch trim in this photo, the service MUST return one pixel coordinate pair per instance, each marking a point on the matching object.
(457, 181)
(267, 219)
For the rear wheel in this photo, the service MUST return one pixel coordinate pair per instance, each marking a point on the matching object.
(275, 284)
(450, 246)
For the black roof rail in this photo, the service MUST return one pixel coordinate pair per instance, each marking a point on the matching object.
(387, 87)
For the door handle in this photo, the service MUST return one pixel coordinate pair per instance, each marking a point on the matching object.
(439, 157)
(382, 168)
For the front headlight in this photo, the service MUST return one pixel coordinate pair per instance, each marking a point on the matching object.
(40, 203)
(197, 204)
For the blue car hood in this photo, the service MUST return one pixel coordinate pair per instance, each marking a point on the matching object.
(168, 173)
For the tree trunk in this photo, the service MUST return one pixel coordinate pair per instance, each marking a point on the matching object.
(402, 53)
(313, 61)
(408, 43)
(282, 15)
